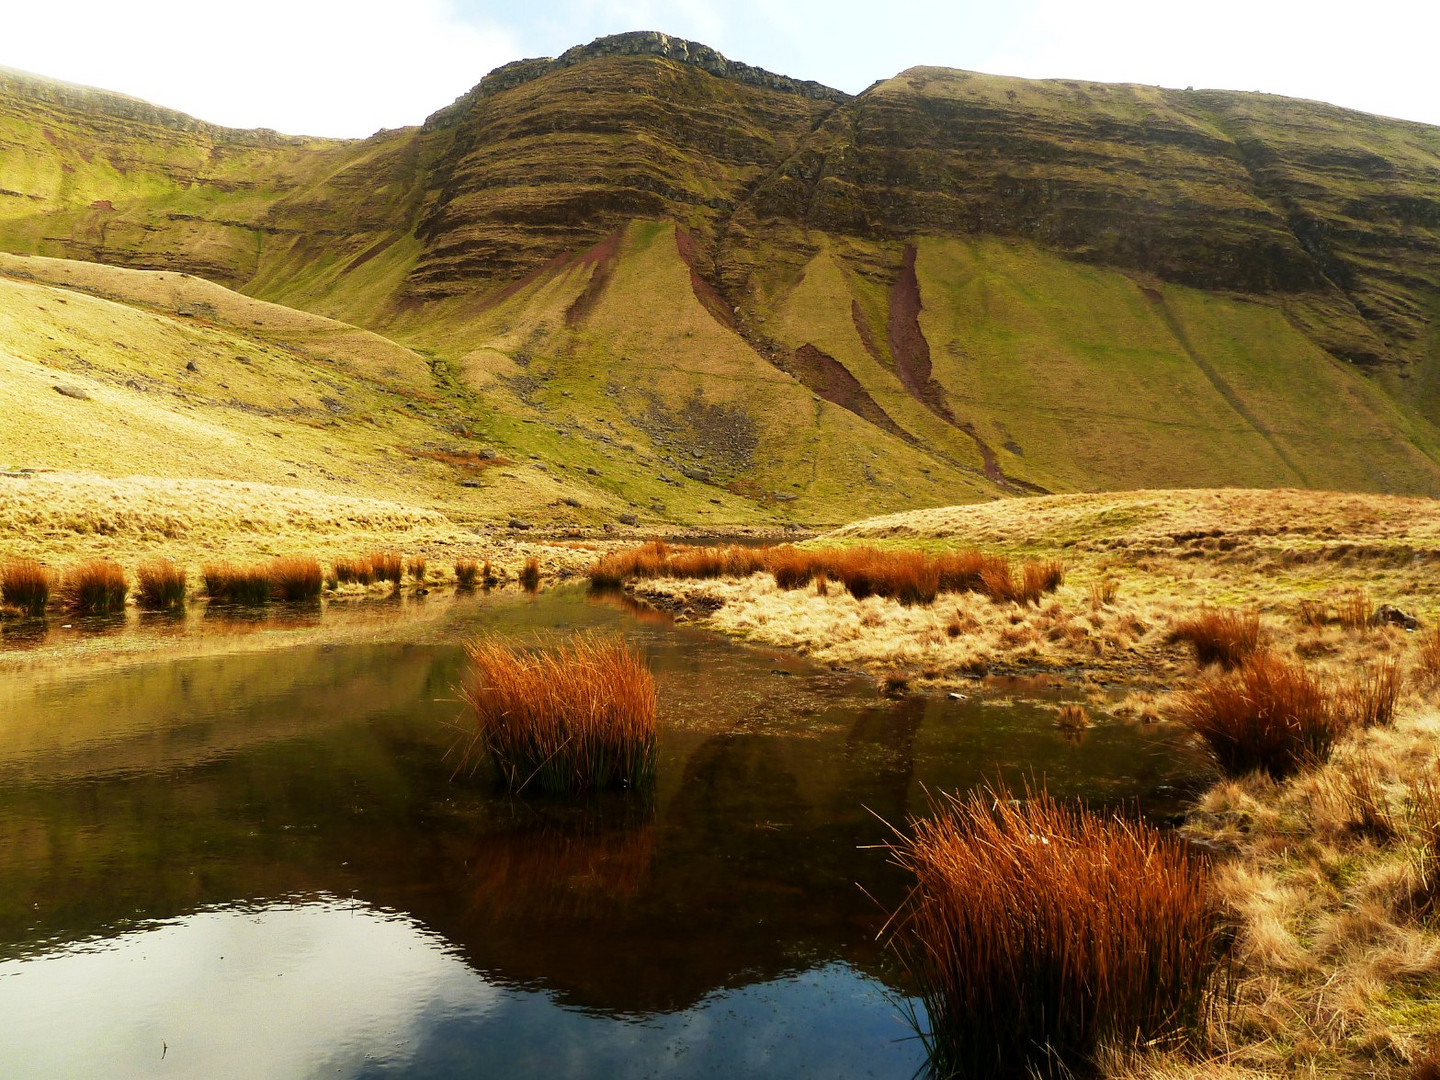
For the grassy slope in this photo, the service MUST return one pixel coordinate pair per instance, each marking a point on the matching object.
(1072, 373)
(1102, 382)
(277, 396)
(624, 373)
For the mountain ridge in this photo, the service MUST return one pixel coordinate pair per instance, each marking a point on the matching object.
(968, 285)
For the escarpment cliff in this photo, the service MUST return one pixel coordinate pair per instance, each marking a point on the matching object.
(947, 286)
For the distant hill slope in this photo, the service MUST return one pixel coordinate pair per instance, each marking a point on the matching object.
(803, 304)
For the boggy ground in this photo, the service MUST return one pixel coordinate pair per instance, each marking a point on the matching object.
(1136, 565)
(1332, 877)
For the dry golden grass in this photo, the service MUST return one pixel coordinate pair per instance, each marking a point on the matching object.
(1137, 566)
(466, 573)
(159, 585)
(1037, 933)
(418, 566)
(1072, 717)
(579, 716)
(1331, 878)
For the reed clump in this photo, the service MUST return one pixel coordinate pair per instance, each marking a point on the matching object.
(160, 585)
(352, 570)
(1267, 714)
(25, 585)
(1221, 636)
(1368, 699)
(95, 587)
(530, 574)
(1356, 610)
(418, 565)
(1037, 933)
(387, 566)
(910, 576)
(1427, 669)
(467, 571)
(1072, 717)
(226, 583)
(576, 717)
(488, 576)
(296, 579)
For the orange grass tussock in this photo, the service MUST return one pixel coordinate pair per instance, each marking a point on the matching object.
(297, 578)
(229, 584)
(909, 576)
(95, 587)
(530, 574)
(1268, 714)
(1037, 933)
(25, 584)
(418, 565)
(352, 571)
(579, 716)
(466, 573)
(387, 566)
(1221, 637)
(160, 585)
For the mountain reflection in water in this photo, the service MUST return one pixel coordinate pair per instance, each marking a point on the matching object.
(301, 805)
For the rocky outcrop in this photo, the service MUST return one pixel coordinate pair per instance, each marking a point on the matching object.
(635, 43)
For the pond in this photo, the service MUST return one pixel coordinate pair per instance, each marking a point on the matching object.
(261, 862)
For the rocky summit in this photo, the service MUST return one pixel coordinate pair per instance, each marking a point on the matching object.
(707, 292)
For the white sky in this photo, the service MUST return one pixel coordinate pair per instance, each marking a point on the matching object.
(349, 67)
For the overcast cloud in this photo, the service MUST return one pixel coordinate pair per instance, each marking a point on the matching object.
(349, 67)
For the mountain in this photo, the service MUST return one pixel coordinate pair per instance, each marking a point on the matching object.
(711, 292)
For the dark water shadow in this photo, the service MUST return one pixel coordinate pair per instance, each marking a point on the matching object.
(23, 633)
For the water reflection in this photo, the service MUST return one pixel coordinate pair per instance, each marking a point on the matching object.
(333, 988)
(747, 881)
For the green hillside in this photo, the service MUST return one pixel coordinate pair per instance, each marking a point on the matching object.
(699, 292)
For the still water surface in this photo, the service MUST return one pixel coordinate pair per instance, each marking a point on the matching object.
(261, 864)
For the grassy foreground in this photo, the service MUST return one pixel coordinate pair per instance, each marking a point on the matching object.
(1331, 876)
(1137, 565)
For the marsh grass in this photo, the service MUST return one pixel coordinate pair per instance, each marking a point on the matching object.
(1072, 717)
(418, 565)
(387, 566)
(1267, 714)
(1356, 610)
(579, 716)
(1037, 933)
(1427, 667)
(488, 576)
(1221, 636)
(226, 583)
(297, 578)
(1103, 593)
(25, 585)
(909, 576)
(95, 587)
(160, 585)
(467, 571)
(1369, 697)
(353, 571)
(530, 574)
